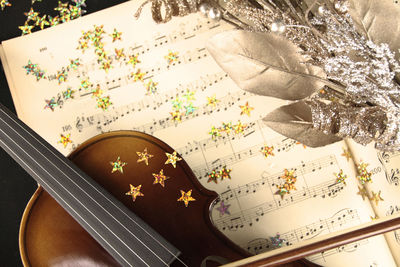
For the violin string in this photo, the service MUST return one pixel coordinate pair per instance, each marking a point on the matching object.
(61, 199)
(86, 192)
(68, 166)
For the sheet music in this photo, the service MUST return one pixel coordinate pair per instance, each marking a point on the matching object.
(385, 169)
(255, 211)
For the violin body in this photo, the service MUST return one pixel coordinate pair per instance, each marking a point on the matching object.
(49, 236)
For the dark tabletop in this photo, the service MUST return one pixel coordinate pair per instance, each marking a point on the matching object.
(16, 186)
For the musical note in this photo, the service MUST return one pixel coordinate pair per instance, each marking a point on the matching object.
(252, 215)
(345, 218)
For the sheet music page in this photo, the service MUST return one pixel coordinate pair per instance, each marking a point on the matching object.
(385, 169)
(186, 100)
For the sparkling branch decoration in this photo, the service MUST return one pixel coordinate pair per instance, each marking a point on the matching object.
(340, 69)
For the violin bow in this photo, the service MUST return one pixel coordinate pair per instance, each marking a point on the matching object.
(320, 244)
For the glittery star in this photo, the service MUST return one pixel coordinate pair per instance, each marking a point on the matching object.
(83, 45)
(26, 29)
(171, 57)
(340, 177)
(227, 127)
(119, 53)
(376, 197)
(172, 158)
(134, 192)
(267, 151)
(282, 191)
(117, 165)
(186, 197)
(68, 94)
(54, 20)
(138, 76)
(214, 132)
(39, 74)
(74, 63)
(246, 109)
(212, 101)
(97, 92)
(223, 209)
(41, 22)
(133, 60)
(51, 104)
(98, 30)
(160, 178)
(225, 173)
(85, 84)
(116, 35)
(239, 127)
(31, 15)
(4, 3)
(62, 76)
(101, 54)
(362, 192)
(277, 241)
(213, 176)
(176, 115)
(177, 103)
(106, 65)
(65, 140)
(190, 109)
(62, 8)
(289, 176)
(363, 175)
(189, 95)
(76, 11)
(346, 154)
(30, 67)
(151, 87)
(144, 156)
(103, 102)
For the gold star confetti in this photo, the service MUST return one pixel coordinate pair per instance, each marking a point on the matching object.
(74, 63)
(85, 84)
(176, 115)
(119, 53)
(4, 3)
(26, 29)
(41, 22)
(214, 132)
(83, 45)
(97, 92)
(212, 176)
(151, 87)
(65, 140)
(267, 151)
(172, 158)
(106, 65)
(340, 177)
(68, 94)
(246, 109)
(376, 197)
(362, 192)
(118, 165)
(282, 191)
(134, 192)
(54, 21)
(363, 175)
(346, 154)
(31, 15)
(239, 127)
(103, 102)
(212, 101)
(51, 104)
(133, 60)
(225, 173)
(186, 197)
(138, 76)
(160, 178)
(116, 35)
(172, 57)
(144, 156)
(62, 76)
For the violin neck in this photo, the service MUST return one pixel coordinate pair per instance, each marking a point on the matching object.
(124, 235)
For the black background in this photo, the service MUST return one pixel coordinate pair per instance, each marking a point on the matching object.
(16, 186)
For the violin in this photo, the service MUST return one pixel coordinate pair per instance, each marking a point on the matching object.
(122, 198)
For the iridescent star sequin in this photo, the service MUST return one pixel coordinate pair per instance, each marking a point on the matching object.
(144, 156)
(65, 140)
(134, 192)
(117, 165)
(159, 178)
(186, 197)
(172, 158)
